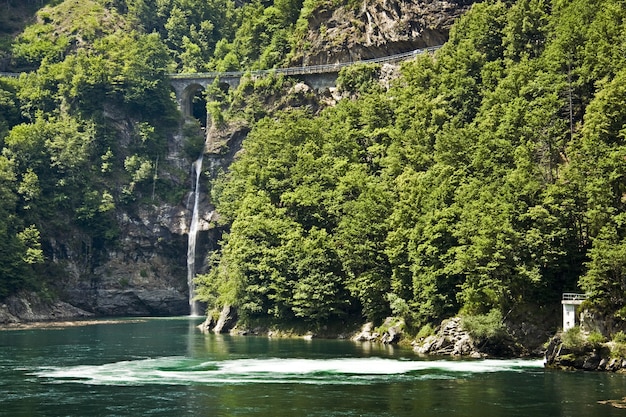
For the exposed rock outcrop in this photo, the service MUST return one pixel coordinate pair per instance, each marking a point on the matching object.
(390, 332)
(226, 321)
(377, 28)
(28, 307)
(451, 339)
(586, 357)
(144, 274)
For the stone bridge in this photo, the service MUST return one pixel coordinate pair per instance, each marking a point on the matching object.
(187, 85)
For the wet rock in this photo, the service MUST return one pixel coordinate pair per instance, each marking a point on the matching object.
(393, 332)
(132, 302)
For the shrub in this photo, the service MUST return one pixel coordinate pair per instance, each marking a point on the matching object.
(359, 78)
(596, 339)
(425, 331)
(488, 326)
(399, 306)
(618, 350)
(194, 139)
(619, 337)
(573, 339)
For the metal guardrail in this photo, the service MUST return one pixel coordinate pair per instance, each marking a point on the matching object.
(10, 74)
(313, 69)
(570, 296)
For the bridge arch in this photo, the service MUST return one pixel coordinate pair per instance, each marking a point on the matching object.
(192, 102)
(187, 86)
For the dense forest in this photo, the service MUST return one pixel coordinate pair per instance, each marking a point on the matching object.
(486, 177)
(489, 176)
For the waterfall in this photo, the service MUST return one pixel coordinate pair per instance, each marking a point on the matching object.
(193, 232)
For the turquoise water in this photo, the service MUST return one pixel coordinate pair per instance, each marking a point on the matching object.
(165, 367)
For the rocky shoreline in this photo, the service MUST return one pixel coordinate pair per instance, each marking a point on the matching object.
(30, 307)
(585, 357)
(28, 310)
(448, 339)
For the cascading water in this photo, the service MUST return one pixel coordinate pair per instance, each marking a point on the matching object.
(193, 232)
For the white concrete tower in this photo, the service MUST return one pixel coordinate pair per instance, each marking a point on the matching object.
(570, 301)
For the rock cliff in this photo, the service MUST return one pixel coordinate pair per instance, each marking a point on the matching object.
(376, 28)
(144, 272)
(32, 307)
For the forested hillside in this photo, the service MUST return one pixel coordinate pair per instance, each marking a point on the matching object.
(487, 177)
(95, 156)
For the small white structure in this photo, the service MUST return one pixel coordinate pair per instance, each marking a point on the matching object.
(570, 301)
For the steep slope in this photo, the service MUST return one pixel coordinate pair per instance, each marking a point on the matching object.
(375, 28)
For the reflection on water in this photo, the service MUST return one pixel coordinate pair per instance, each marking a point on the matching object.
(166, 367)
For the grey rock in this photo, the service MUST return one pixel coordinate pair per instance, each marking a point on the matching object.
(227, 320)
(28, 307)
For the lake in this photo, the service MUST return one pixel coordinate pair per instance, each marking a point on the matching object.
(166, 367)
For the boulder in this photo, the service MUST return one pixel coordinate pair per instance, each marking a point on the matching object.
(227, 320)
(452, 340)
(366, 334)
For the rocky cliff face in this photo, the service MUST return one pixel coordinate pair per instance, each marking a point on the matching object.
(32, 307)
(377, 28)
(144, 272)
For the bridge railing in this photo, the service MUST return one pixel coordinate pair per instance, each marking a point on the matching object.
(570, 296)
(313, 69)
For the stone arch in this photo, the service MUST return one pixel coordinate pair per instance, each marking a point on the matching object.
(193, 103)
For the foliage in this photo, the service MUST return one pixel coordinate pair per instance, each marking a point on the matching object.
(64, 28)
(194, 139)
(487, 178)
(359, 78)
(81, 134)
(618, 345)
(425, 331)
(619, 337)
(483, 327)
(573, 339)
(618, 350)
(595, 339)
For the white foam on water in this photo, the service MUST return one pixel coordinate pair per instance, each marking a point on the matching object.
(186, 371)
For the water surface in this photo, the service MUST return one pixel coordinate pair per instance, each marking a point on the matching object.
(165, 367)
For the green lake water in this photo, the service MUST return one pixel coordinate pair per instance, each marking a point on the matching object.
(166, 367)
